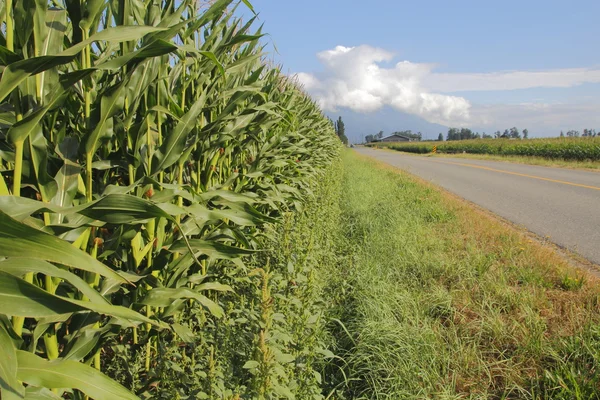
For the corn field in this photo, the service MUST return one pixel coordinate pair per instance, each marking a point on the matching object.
(149, 158)
(579, 149)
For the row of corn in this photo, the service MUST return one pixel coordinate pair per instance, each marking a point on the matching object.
(579, 149)
(144, 147)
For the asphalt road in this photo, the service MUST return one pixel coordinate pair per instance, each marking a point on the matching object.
(561, 203)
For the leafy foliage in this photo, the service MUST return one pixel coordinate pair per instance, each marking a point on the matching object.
(148, 155)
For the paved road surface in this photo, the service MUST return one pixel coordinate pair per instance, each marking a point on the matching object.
(557, 202)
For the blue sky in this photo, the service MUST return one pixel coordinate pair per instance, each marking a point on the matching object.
(486, 65)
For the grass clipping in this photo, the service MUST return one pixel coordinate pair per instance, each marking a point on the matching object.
(443, 300)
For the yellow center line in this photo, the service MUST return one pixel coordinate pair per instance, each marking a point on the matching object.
(518, 174)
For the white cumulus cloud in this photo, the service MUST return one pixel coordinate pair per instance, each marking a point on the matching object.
(361, 78)
(354, 78)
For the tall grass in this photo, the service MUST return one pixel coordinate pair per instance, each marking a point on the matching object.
(441, 302)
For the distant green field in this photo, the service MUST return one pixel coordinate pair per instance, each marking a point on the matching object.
(579, 149)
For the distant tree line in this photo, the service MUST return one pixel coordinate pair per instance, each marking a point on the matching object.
(467, 134)
(574, 133)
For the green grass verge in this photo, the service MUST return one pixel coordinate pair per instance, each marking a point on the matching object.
(434, 299)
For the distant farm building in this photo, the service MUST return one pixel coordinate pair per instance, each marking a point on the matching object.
(394, 138)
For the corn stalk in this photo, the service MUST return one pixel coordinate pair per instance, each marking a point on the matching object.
(160, 144)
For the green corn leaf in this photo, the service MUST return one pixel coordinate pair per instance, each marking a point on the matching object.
(74, 11)
(171, 151)
(140, 79)
(23, 12)
(111, 103)
(115, 208)
(139, 250)
(163, 297)
(3, 188)
(245, 62)
(165, 111)
(54, 28)
(8, 57)
(246, 211)
(248, 198)
(184, 333)
(20, 240)
(211, 249)
(241, 39)
(238, 124)
(27, 300)
(219, 287)
(91, 11)
(39, 25)
(227, 94)
(10, 386)
(85, 343)
(154, 49)
(208, 54)
(211, 56)
(36, 371)
(124, 209)
(36, 393)
(249, 5)
(39, 160)
(42, 325)
(20, 208)
(20, 266)
(67, 177)
(237, 215)
(214, 12)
